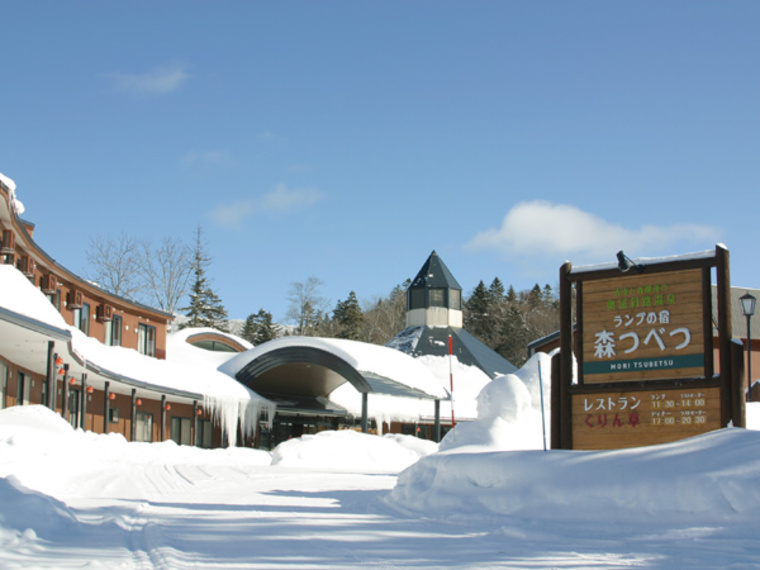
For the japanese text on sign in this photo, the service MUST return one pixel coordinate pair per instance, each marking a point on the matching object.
(648, 328)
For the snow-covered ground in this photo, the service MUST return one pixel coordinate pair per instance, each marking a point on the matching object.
(70, 499)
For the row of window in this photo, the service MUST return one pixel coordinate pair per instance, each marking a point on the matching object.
(146, 334)
(180, 428)
(435, 297)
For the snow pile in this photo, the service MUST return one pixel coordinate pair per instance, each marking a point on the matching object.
(509, 412)
(468, 383)
(32, 513)
(707, 479)
(348, 450)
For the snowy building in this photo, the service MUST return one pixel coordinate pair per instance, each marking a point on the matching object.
(108, 365)
(103, 362)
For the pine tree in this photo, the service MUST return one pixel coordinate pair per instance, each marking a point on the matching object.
(476, 310)
(349, 318)
(496, 290)
(249, 328)
(514, 340)
(511, 295)
(259, 328)
(205, 308)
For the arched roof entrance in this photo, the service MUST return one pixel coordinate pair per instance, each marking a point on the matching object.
(302, 372)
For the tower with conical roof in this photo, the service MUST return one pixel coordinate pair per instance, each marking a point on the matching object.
(434, 313)
(434, 298)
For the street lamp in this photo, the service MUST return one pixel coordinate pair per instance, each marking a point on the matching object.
(748, 308)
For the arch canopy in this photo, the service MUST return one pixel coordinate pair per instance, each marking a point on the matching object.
(311, 368)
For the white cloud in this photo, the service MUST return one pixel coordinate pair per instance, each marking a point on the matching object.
(158, 81)
(232, 215)
(540, 227)
(279, 200)
(282, 199)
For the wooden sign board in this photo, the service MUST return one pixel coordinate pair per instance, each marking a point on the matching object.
(613, 420)
(642, 338)
(643, 327)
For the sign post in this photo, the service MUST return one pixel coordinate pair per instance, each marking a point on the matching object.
(644, 347)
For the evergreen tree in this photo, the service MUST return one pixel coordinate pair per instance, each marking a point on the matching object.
(205, 308)
(349, 318)
(249, 328)
(476, 310)
(496, 290)
(514, 339)
(259, 328)
(536, 296)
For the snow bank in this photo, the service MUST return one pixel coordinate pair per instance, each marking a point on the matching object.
(508, 412)
(34, 440)
(348, 450)
(709, 478)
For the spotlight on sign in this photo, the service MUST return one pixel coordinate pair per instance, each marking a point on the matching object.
(625, 263)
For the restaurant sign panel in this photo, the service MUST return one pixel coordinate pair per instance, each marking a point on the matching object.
(643, 327)
(611, 420)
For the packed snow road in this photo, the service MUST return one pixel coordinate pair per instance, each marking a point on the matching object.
(80, 500)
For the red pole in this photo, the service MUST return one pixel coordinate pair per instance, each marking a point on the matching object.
(451, 380)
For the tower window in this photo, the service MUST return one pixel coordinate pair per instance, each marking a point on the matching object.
(437, 297)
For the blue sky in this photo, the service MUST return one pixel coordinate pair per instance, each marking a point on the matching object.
(346, 140)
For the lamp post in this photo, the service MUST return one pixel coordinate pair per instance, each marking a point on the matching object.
(748, 308)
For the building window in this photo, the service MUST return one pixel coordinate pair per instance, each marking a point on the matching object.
(214, 346)
(180, 431)
(3, 383)
(204, 434)
(55, 299)
(437, 297)
(82, 318)
(146, 340)
(84, 322)
(416, 298)
(113, 331)
(74, 407)
(455, 299)
(22, 389)
(45, 395)
(143, 426)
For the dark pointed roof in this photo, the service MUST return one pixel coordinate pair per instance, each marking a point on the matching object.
(434, 341)
(435, 274)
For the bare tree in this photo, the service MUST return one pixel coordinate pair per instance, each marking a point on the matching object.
(116, 264)
(385, 317)
(307, 306)
(166, 270)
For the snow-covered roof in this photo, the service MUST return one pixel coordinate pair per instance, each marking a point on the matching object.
(374, 362)
(18, 206)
